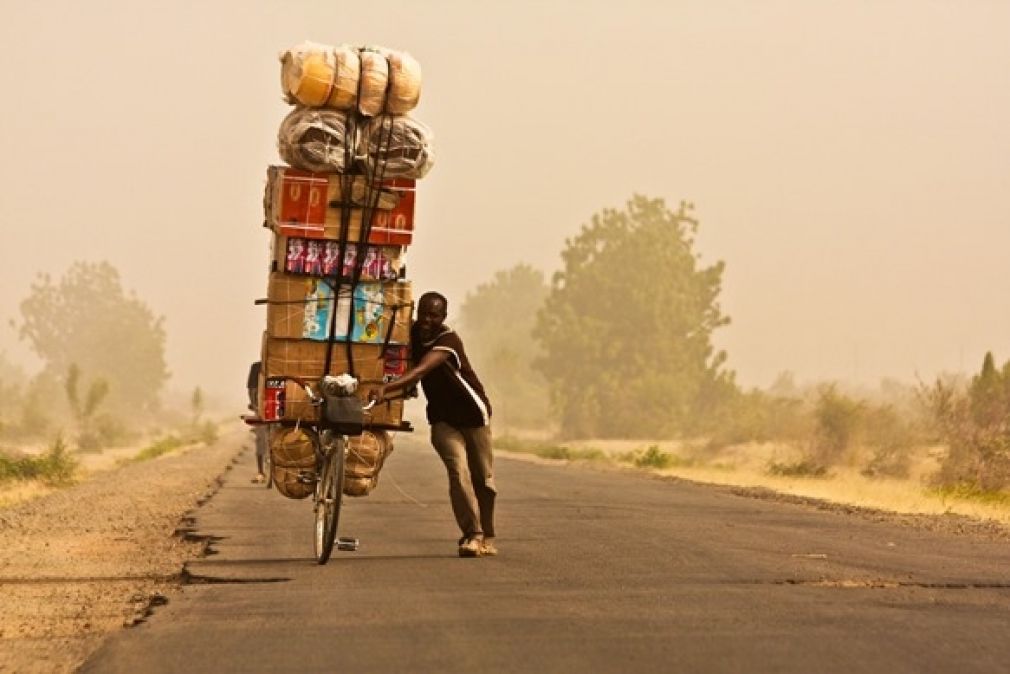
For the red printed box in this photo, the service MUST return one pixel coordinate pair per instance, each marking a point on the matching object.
(313, 205)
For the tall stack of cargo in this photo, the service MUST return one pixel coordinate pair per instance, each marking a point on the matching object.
(341, 215)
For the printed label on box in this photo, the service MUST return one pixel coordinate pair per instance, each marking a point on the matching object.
(274, 395)
(395, 362)
(312, 257)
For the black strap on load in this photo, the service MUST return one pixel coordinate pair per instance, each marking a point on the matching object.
(346, 211)
(373, 191)
(374, 177)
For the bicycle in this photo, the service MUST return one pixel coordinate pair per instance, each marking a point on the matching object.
(341, 415)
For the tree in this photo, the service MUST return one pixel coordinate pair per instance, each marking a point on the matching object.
(86, 320)
(627, 326)
(196, 405)
(84, 410)
(498, 319)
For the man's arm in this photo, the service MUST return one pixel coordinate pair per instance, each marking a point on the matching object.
(428, 362)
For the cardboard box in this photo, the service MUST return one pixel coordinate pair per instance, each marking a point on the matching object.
(302, 308)
(284, 400)
(310, 205)
(312, 257)
(306, 359)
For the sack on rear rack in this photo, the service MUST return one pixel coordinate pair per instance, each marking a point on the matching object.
(292, 461)
(365, 455)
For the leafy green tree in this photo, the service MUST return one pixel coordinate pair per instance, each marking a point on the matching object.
(87, 319)
(497, 319)
(627, 326)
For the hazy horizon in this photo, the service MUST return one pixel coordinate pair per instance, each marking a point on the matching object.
(850, 162)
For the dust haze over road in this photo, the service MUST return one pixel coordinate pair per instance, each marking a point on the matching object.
(848, 160)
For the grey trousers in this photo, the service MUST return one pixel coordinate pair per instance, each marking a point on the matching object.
(466, 453)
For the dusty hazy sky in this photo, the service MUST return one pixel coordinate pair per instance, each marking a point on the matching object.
(850, 161)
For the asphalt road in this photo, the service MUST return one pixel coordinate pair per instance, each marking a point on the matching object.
(599, 571)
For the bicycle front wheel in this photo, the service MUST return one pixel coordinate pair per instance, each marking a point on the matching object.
(329, 490)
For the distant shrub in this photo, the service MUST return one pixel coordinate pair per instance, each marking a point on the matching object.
(970, 492)
(113, 432)
(158, 448)
(205, 432)
(548, 450)
(974, 424)
(838, 422)
(891, 436)
(55, 467)
(805, 468)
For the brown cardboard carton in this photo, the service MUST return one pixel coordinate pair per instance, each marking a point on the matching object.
(303, 308)
(306, 359)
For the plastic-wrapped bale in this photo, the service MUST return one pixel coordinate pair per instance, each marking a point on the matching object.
(317, 75)
(396, 146)
(404, 82)
(315, 140)
(291, 455)
(365, 455)
(372, 86)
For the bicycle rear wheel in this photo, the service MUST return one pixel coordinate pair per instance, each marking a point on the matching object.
(329, 490)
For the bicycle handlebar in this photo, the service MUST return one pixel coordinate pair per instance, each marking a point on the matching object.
(318, 399)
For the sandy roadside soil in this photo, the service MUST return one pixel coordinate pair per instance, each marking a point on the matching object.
(84, 561)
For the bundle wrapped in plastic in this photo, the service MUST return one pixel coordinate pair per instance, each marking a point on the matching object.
(365, 455)
(316, 76)
(396, 146)
(404, 82)
(374, 78)
(315, 139)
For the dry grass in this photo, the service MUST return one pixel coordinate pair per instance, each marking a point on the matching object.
(89, 464)
(747, 465)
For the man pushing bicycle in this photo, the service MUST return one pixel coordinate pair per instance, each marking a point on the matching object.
(460, 416)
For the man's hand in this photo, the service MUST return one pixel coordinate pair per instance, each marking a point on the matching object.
(377, 395)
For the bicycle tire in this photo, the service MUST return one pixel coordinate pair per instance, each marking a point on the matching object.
(329, 491)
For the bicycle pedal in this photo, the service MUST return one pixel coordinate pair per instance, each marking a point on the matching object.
(347, 544)
(307, 478)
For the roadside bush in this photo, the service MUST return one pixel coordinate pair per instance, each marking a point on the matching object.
(974, 424)
(55, 467)
(159, 447)
(805, 468)
(205, 432)
(757, 416)
(653, 458)
(548, 450)
(838, 419)
(891, 438)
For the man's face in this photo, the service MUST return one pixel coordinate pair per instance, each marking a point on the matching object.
(430, 317)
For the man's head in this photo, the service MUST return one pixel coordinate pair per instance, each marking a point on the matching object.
(432, 308)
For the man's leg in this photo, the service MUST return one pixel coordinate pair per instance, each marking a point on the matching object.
(481, 464)
(260, 433)
(451, 447)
